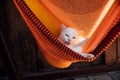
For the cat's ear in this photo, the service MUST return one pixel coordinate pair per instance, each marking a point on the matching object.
(63, 26)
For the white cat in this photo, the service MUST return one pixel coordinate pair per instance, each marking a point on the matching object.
(68, 36)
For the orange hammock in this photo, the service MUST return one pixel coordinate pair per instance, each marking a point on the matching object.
(97, 18)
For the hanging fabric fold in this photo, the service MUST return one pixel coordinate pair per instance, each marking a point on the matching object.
(96, 18)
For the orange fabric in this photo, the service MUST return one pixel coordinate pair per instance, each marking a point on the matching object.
(65, 18)
(82, 21)
(44, 22)
(45, 16)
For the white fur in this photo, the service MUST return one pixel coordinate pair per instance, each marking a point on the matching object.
(68, 36)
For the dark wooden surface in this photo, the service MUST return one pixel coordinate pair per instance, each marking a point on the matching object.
(28, 58)
(111, 75)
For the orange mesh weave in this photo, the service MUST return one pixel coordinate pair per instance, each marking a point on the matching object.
(56, 53)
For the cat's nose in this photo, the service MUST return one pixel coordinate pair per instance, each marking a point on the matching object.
(69, 40)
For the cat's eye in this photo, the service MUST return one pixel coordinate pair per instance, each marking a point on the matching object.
(74, 37)
(67, 35)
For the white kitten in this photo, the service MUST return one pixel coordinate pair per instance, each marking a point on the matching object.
(68, 36)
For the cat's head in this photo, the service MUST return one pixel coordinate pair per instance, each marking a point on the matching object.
(67, 34)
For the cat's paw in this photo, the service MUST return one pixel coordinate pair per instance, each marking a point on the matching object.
(88, 55)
